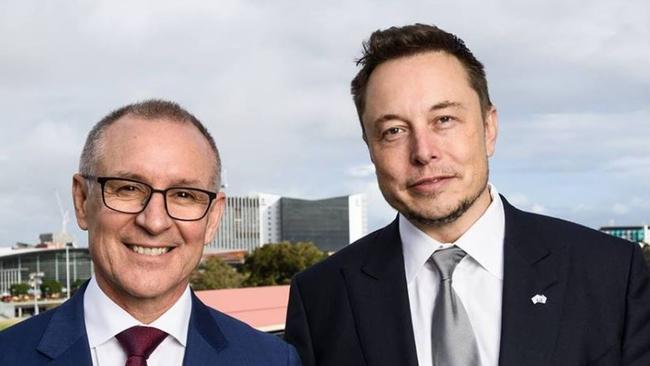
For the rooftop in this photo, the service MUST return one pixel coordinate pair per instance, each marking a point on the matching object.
(263, 308)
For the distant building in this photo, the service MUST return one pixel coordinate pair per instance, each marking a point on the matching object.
(637, 234)
(56, 240)
(331, 223)
(248, 222)
(17, 264)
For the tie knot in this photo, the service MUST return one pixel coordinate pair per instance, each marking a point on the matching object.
(140, 341)
(447, 259)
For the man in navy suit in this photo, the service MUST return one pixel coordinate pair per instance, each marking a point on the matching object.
(148, 195)
(461, 277)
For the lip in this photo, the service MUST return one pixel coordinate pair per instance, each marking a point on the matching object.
(430, 184)
(148, 246)
(152, 246)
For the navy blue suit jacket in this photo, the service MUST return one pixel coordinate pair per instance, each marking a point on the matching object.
(353, 308)
(58, 337)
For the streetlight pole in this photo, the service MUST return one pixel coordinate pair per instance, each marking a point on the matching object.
(35, 281)
(67, 271)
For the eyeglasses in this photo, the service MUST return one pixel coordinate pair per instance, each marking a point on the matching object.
(131, 197)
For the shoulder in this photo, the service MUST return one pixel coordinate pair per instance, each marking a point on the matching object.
(19, 332)
(562, 235)
(21, 339)
(352, 255)
(260, 347)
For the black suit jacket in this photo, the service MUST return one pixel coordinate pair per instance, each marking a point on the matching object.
(353, 308)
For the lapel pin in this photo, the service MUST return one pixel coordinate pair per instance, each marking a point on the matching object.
(539, 299)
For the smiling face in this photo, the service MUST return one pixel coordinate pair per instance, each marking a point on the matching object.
(147, 256)
(430, 141)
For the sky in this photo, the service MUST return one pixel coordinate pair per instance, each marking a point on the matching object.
(270, 79)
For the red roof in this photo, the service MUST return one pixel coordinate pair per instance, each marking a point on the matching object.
(264, 308)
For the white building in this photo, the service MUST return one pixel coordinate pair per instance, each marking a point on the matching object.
(331, 223)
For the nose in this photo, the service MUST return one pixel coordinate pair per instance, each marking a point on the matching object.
(154, 219)
(424, 147)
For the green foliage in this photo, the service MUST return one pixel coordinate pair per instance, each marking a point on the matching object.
(213, 273)
(18, 289)
(51, 287)
(276, 264)
(74, 286)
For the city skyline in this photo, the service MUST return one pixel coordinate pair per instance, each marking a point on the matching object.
(271, 82)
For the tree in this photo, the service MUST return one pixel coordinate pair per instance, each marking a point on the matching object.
(19, 289)
(51, 287)
(276, 264)
(213, 273)
(74, 286)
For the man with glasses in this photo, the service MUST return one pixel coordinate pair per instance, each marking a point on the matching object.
(148, 195)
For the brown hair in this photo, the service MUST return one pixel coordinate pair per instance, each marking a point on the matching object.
(151, 109)
(396, 42)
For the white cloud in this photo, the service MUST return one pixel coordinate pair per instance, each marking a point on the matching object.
(271, 81)
(537, 208)
(362, 171)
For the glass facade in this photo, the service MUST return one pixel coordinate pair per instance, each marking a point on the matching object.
(323, 222)
(16, 266)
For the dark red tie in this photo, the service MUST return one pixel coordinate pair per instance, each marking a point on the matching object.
(139, 343)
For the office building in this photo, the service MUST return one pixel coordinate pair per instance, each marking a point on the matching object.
(65, 265)
(330, 223)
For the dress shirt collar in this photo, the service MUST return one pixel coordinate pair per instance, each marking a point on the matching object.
(483, 241)
(104, 319)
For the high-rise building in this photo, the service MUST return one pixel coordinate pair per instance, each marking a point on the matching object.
(248, 222)
(331, 223)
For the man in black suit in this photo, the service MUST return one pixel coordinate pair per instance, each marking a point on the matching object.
(461, 277)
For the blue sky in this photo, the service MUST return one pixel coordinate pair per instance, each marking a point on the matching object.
(271, 81)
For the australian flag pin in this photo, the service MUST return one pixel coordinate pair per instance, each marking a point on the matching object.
(538, 299)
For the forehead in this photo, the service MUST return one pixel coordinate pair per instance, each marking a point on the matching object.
(419, 80)
(160, 150)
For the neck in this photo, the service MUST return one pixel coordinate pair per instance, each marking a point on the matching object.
(145, 310)
(449, 233)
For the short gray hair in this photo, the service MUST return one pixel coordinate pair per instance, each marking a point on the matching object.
(152, 109)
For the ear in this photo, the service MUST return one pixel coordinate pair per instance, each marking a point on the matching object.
(491, 129)
(80, 199)
(214, 217)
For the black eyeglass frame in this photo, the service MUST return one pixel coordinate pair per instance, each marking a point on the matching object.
(102, 181)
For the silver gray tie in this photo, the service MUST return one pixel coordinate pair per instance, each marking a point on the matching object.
(454, 343)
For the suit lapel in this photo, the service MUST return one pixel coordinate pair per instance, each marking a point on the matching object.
(379, 301)
(529, 331)
(205, 341)
(64, 340)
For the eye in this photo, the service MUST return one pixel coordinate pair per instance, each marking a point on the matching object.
(392, 133)
(445, 119)
(185, 195)
(125, 188)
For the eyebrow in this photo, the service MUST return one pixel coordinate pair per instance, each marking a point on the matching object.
(438, 106)
(446, 104)
(176, 183)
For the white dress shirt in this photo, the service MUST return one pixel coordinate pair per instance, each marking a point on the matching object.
(104, 319)
(477, 280)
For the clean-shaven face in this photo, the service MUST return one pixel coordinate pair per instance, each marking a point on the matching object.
(148, 255)
(428, 137)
